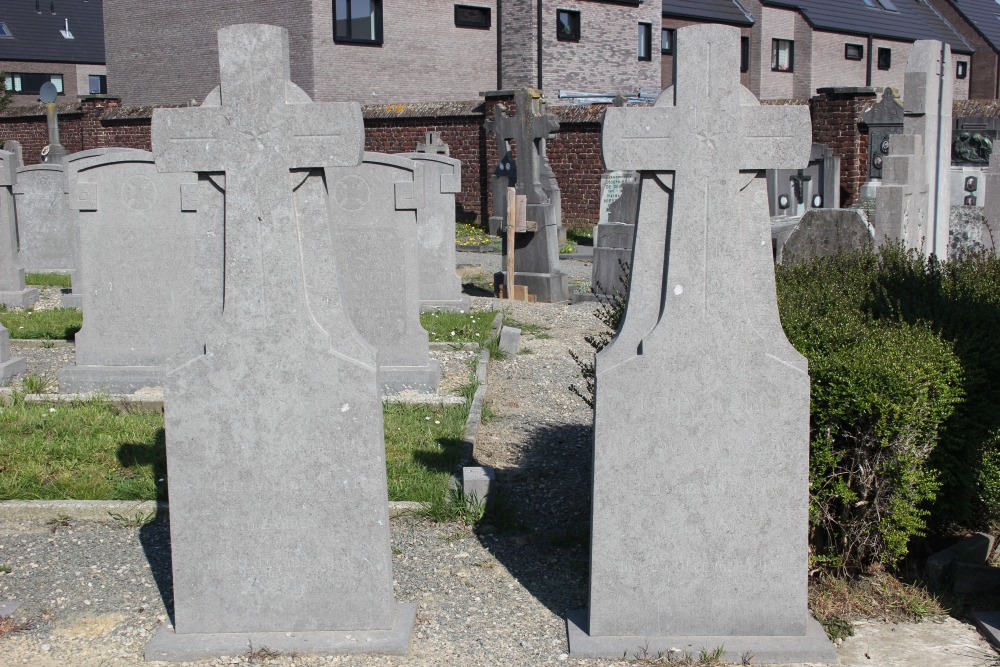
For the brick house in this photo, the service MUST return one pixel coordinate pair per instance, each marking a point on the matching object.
(791, 48)
(61, 41)
(382, 53)
(978, 21)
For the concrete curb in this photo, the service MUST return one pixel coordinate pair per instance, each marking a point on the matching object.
(40, 342)
(152, 402)
(454, 346)
(95, 510)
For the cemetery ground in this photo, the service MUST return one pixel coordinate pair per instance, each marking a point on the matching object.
(491, 590)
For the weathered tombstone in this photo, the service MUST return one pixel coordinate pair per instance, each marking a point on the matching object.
(433, 145)
(700, 512)
(615, 231)
(536, 256)
(826, 232)
(150, 270)
(373, 219)
(10, 367)
(440, 286)
(279, 519)
(45, 223)
(969, 232)
(991, 207)
(792, 192)
(913, 203)
(13, 292)
(883, 120)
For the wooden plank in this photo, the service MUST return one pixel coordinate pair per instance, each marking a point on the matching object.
(522, 215)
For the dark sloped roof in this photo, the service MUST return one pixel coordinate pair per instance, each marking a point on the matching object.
(913, 20)
(36, 35)
(720, 11)
(984, 15)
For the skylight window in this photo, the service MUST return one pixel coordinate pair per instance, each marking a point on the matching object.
(66, 33)
(5, 31)
(886, 5)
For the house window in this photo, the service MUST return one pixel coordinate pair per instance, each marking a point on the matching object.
(567, 25)
(744, 54)
(357, 21)
(854, 51)
(645, 49)
(5, 31)
(472, 17)
(884, 58)
(667, 41)
(961, 69)
(30, 83)
(782, 55)
(98, 84)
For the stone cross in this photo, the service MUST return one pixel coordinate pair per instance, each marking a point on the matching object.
(700, 508)
(279, 509)
(530, 125)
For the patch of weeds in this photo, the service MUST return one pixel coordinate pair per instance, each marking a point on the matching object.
(677, 658)
(581, 236)
(48, 345)
(471, 236)
(396, 551)
(568, 247)
(60, 521)
(450, 327)
(525, 350)
(52, 324)
(263, 653)
(137, 520)
(525, 327)
(453, 507)
(34, 384)
(5, 568)
(48, 279)
(9, 627)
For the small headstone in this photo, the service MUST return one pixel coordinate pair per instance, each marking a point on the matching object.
(10, 367)
(440, 286)
(45, 224)
(969, 231)
(510, 339)
(615, 232)
(150, 270)
(685, 552)
(13, 292)
(536, 256)
(824, 233)
(279, 521)
(373, 219)
(433, 145)
(913, 201)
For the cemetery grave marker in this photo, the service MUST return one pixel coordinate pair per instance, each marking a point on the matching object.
(701, 480)
(13, 292)
(278, 499)
(615, 232)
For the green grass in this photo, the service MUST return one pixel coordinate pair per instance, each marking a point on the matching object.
(580, 236)
(53, 324)
(94, 451)
(446, 327)
(47, 279)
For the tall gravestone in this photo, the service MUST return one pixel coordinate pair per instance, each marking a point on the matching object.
(45, 224)
(700, 510)
(615, 232)
(883, 120)
(374, 209)
(13, 292)
(149, 270)
(279, 516)
(536, 256)
(913, 203)
(440, 286)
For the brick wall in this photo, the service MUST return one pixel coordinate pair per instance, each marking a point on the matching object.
(519, 37)
(836, 122)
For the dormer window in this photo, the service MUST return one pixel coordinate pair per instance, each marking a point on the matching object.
(5, 32)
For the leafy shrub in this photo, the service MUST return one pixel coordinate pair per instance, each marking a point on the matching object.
(610, 313)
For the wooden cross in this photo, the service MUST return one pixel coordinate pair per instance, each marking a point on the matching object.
(257, 127)
(709, 131)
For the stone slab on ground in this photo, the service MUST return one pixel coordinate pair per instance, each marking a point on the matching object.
(988, 623)
(8, 607)
(944, 643)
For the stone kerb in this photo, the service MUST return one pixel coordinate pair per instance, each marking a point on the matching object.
(374, 208)
(262, 508)
(725, 399)
(13, 291)
(440, 285)
(146, 240)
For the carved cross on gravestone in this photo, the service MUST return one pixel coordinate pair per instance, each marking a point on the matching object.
(799, 179)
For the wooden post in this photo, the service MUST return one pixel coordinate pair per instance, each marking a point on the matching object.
(511, 224)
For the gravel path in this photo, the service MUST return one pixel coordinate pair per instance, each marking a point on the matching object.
(93, 591)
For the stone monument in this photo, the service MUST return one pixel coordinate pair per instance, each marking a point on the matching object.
(536, 256)
(46, 228)
(433, 145)
(374, 212)
(823, 233)
(615, 232)
(13, 292)
(146, 240)
(793, 192)
(913, 203)
(883, 120)
(440, 285)
(279, 515)
(701, 490)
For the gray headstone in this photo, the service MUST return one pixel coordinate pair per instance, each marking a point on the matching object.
(792, 192)
(510, 339)
(969, 231)
(883, 120)
(440, 286)
(373, 220)
(45, 224)
(150, 270)
(279, 515)
(615, 232)
(9, 366)
(991, 190)
(433, 145)
(967, 185)
(826, 232)
(536, 256)
(913, 201)
(13, 292)
(684, 548)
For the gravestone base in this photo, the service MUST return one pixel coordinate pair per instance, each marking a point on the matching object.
(20, 298)
(71, 300)
(169, 646)
(12, 368)
(109, 379)
(546, 287)
(813, 647)
(607, 269)
(451, 305)
(423, 379)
